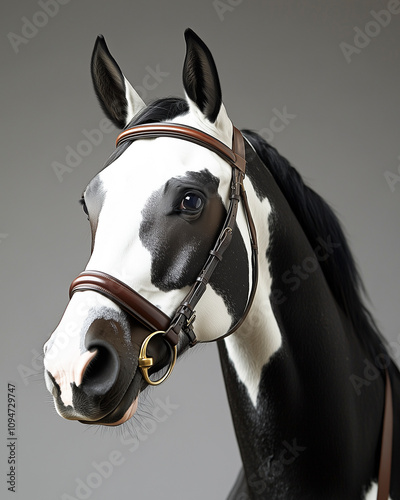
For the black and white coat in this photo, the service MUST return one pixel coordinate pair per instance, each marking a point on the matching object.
(307, 427)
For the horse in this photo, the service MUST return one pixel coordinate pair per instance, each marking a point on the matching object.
(202, 233)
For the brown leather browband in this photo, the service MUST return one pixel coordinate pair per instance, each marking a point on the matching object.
(156, 320)
(234, 156)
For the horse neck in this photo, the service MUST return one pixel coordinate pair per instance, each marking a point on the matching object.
(287, 370)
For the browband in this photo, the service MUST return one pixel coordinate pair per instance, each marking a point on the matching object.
(235, 157)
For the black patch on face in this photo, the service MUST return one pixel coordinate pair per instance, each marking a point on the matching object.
(179, 246)
(231, 278)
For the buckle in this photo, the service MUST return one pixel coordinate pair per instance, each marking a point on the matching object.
(189, 332)
(145, 363)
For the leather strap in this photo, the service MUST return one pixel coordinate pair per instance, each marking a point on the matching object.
(234, 157)
(133, 303)
(385, 465)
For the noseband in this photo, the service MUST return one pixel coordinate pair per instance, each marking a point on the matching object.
(140, 308)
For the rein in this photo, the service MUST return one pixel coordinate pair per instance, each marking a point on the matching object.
(385, 461)
(140, 308)
(169, 329)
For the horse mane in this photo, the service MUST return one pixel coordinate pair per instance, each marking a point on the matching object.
(160, 110)
(318, 220)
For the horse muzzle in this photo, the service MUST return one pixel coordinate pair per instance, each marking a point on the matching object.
(101, 384)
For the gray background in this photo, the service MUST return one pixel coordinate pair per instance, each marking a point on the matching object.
(344, 137)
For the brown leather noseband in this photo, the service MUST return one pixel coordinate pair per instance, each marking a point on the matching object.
(136, 305)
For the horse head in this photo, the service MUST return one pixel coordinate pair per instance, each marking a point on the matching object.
(172, 244)
(155, 212)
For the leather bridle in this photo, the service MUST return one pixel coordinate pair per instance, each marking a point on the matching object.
(136, 305)
(161, 325)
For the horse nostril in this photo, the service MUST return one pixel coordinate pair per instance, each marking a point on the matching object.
(102, 371)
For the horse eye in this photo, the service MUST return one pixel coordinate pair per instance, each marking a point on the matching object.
(191, 202)
(84, 207)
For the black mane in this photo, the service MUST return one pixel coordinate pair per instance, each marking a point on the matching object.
(318, 220)
(160, 110)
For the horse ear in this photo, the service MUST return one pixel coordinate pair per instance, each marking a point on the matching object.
(200, 77)
(117, 97)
